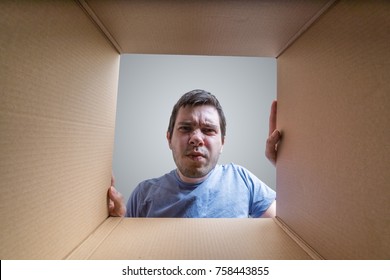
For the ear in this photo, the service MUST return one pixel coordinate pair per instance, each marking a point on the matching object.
(169, 139)
(223, 143)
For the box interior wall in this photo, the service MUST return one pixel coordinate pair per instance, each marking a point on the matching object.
(59, 79)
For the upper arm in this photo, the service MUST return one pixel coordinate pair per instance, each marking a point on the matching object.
(270, 212)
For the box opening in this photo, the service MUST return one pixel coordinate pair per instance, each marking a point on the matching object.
(149, 86)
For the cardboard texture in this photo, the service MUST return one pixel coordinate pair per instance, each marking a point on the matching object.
(58, 95)
(243, 28)
(333, 97)
(170, 238)
(59, 74)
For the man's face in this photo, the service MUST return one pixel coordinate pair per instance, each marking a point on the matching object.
(196, 142)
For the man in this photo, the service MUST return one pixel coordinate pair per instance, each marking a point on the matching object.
(199, 187)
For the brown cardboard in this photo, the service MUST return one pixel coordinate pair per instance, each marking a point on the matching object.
(59, 73)
(333, 102)
(58, 95)
(242, 28)
(169, 238)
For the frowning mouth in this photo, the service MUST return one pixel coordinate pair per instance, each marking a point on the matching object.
(196, 156)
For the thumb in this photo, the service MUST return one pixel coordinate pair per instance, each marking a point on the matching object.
(116, 204)
(114, 194)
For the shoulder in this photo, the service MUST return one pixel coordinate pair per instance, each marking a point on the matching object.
(233, 174)
(232, 168)
(150, 185)
(239, 174)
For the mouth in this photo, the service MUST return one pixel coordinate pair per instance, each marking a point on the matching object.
(196, 156)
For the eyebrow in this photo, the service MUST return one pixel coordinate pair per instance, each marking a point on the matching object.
(191, 123)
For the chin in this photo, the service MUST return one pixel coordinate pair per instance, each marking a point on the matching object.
(193, 172)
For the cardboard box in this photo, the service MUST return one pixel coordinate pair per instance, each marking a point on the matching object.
(59, 78)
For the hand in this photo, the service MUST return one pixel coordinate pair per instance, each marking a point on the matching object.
(116, 204)
(274, 136)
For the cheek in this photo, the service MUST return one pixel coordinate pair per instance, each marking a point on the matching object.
(214, 146)
(177, 143)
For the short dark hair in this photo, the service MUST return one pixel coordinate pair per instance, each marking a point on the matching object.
(194, 98)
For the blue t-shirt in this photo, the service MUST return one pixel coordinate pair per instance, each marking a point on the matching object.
(230, 191)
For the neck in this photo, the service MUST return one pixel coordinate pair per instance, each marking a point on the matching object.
(190, 180)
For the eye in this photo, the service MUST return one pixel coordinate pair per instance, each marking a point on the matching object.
(209, 131)
(184, 128)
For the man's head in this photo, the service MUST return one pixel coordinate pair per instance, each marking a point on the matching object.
(194, 98)
(196, 134)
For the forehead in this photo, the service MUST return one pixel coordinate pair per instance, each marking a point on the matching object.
(201, 113)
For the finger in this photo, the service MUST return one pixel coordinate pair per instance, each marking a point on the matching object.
(271, 146)
(272, 117)
(116, 204)
(275, 137)
(114, 195)
(112, 180)
(110, 205)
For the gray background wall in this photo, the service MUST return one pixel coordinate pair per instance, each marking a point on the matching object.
(149, 86)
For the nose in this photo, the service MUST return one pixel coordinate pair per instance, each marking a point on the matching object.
(196, 138)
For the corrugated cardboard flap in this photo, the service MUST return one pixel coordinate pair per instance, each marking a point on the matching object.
(170, 238)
